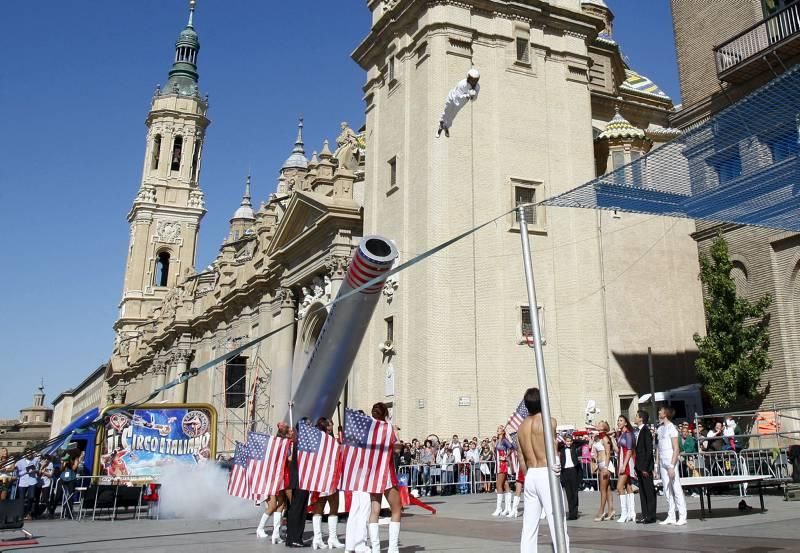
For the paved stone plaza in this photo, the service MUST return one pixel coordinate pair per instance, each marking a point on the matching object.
(461, 524)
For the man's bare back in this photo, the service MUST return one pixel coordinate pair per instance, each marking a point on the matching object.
(530, 437)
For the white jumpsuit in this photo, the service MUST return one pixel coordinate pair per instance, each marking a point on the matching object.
(457, 99)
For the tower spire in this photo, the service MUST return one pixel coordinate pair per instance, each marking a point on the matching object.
(298, 144)
(246, 197)
(297, 159)
(183, 76)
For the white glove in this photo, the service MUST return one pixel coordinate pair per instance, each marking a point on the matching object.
(472, 94)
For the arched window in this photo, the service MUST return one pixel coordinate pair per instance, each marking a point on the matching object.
(162, 269)
(236, 382)
(195, 155)
(156, 152)
(177, 150)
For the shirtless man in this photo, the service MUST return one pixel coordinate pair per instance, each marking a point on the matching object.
(534, 464)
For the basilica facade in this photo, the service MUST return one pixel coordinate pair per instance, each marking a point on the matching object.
(448, 345)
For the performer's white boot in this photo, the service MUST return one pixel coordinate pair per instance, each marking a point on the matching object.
(631, 507)
(513, 512)
(276, 527)
(507, 512)
(499, 511)
(333, 539)
(260, 532)
(394, 537)
(623, 508)
(316, 524)
(375, 537)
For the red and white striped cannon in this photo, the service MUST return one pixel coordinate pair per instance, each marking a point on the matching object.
(330, 362)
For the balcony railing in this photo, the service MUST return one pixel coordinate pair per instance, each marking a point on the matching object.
(769, 35)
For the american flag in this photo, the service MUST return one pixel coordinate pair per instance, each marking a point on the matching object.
(517, 417)
(317, 457)
(367, 453)
(237, 481)
(267, 459)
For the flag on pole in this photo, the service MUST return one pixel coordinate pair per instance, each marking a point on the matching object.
(267, 459)
(317, 459)
(237, 481)
(367, 453)
(517, 417)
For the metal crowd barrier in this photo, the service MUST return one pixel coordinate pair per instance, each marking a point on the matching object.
(480, 477)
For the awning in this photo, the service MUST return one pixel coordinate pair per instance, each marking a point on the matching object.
(691, 390)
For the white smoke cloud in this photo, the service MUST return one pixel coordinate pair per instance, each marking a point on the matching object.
(200, 492)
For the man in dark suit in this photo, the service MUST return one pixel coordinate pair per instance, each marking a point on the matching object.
(644, 468)
(571, 476)
(296, 515)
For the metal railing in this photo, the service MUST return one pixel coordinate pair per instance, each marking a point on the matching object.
(771, 31)
(480, 477)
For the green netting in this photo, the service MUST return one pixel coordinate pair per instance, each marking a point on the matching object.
(741, 166)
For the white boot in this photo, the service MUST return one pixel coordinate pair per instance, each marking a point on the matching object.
(333, 539)
(499, 510)
(276, 527)
(316, 524)
(623, 508)
(394, 537)
(260, 532)
(507, 512)
(514, 511)
(375, 537)
(631, 507)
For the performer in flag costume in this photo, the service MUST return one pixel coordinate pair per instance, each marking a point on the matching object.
(320, 469)
(369, 466)
(515, 467)
(275, 504)
(502, 450)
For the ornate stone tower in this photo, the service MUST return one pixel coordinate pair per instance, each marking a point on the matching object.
(167, 210)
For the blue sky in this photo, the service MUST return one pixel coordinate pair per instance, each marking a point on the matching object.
(76, 80)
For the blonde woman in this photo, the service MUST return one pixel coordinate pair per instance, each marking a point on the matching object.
(503, 449)
(601, 460)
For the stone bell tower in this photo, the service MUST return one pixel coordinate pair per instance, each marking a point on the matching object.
(167, 210)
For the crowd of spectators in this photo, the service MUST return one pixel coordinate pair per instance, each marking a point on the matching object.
(40, 480)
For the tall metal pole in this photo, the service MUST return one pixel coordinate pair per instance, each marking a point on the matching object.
(549, 439)
(652, 383)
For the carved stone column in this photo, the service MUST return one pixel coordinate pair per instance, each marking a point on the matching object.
(337, 266)
(181, 358)
(284, 353)
(159, 376)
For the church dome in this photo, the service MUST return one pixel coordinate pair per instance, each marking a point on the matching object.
(297, 159)
(634, 82)
(619, 127)
(245, 210)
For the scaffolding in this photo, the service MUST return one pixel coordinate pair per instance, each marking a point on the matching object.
(235, 421)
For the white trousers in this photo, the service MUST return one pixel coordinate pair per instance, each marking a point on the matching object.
(451, 109)
(674, 492)
(357, 520)
(537, 501)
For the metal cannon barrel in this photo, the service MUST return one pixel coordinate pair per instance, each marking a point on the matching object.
(328, 367)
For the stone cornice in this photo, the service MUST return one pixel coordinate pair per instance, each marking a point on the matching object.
(407, 14)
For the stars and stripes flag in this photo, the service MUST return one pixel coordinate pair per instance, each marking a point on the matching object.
(367, 453)
(237, 481)
(267, 459)
(317, 459)
(516, 418)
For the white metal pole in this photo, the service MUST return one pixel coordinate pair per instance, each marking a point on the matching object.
(549, 439)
